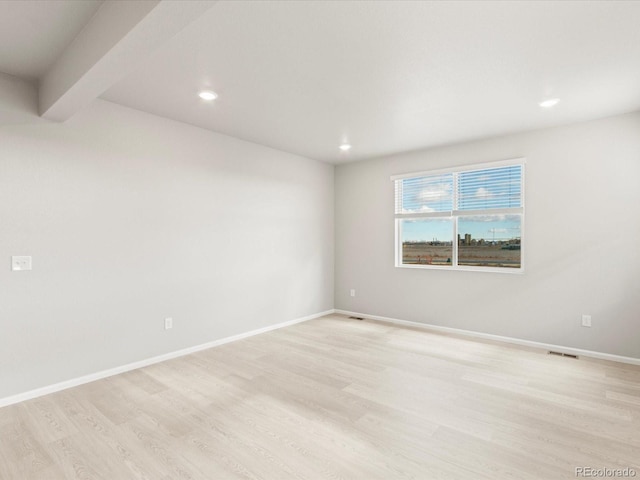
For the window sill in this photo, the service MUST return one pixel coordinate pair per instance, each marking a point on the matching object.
(510, 271)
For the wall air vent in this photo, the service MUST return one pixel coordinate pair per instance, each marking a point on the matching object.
(560, 354)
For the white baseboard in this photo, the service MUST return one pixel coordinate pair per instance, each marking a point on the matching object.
(74, 382)
(498, 338)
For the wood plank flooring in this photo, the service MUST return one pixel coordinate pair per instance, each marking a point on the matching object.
(335, 398)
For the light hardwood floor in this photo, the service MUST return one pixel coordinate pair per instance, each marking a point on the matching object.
(335, 398)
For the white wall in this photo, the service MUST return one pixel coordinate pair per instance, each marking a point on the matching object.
(582, 234)
(131, 218)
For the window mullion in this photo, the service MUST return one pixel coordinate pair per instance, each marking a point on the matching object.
(424, 215)
(454, 222)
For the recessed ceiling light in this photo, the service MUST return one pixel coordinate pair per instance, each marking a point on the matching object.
(345, 147)
(549, 103)
(208, 95)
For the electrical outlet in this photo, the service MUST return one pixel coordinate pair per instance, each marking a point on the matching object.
(353, 292)
(168, 323)
(586, 320)
(21, 263)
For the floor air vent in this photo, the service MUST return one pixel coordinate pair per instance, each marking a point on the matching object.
(356, 318)
(560, 354)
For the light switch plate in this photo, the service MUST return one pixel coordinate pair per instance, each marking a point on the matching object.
(21, 263)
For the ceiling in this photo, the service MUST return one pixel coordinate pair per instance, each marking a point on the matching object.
(33, 33)
(384, 76)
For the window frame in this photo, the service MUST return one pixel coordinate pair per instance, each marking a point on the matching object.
(455, 214)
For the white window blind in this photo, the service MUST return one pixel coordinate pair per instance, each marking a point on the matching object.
(490, 188)
(432, 193)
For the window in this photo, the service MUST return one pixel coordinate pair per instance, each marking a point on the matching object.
(468, 218)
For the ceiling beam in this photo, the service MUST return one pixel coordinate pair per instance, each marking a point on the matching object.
(117, 39)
